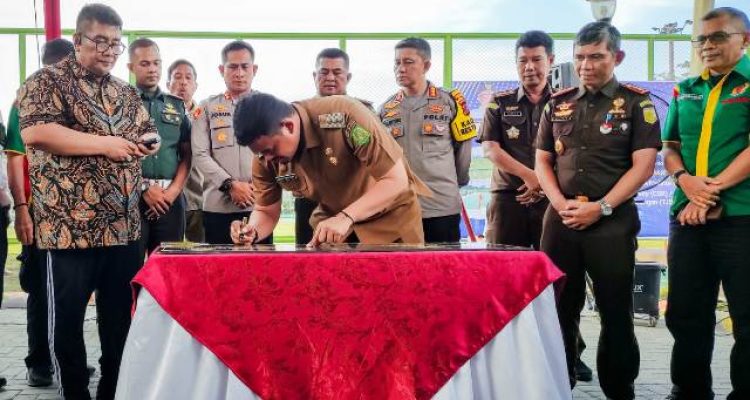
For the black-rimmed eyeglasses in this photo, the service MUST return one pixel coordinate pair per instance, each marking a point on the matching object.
(718, 37)
(102, 46)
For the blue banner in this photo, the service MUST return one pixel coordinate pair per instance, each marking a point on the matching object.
(653, 201)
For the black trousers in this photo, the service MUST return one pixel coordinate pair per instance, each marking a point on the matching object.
(169, 227)
(217, 227)
(33, 280)
(701, 257)
(442, 229)
(606, 250)
(510, 222)
(72, 276)
(4, 223)
(303, 209)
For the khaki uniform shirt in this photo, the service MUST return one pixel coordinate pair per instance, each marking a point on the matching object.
(512, 121)
(216, 153)
(421, 125)
(594, 135)
(83, 201)
(345, 150)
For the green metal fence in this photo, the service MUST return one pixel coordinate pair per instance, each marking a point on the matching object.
(650, 51)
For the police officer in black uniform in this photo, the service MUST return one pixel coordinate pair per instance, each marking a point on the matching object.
(596, 146)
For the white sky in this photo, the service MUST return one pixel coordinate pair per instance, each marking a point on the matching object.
(285, 67)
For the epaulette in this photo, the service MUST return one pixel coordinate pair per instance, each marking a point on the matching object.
(504, 93)
(366, 103)
(173, 97)
(563, 91)
(197, 112)
(634, 88)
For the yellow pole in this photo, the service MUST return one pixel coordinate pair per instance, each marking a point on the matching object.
(699, 10)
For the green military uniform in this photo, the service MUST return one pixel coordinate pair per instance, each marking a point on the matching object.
(592, 137)
(710, 118)
(168, 113)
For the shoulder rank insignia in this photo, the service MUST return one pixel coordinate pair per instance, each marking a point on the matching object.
(332, 121)
(563, 91)
(197, 112)
(432, 91)
(505, 93)
(634, 88)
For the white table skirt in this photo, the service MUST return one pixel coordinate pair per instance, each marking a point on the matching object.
(526, 360)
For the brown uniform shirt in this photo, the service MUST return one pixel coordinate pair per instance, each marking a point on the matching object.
(83, 201)
(593, 135)
(346, 149)
(512, 121)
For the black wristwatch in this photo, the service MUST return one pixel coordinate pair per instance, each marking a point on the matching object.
(676, 176)
(226, 185)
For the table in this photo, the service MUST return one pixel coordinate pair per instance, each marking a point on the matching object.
(393, 324)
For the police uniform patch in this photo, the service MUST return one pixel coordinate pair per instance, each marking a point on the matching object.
(646, 103)
(436, 108)
(513, 133)
(169, 108)
(441, 127)
(360, 136)
(563, 110)
(220, 108)
(332, 121)
(391, 113)
(391, 104)
(221, 136)
(427, 128)
(649, 115)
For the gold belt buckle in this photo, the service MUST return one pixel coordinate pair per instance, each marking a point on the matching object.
(582, 199)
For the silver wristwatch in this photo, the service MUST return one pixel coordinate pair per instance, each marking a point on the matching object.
(605, 207)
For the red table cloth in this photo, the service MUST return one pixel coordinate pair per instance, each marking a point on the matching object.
(352, 325)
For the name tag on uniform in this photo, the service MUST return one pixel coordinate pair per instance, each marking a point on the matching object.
(690, 96)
